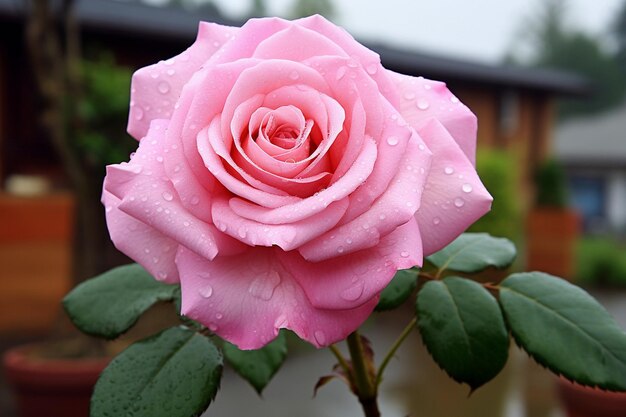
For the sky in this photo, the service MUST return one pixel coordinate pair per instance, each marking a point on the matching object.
(480, 30)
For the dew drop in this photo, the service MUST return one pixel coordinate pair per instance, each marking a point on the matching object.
(454, 99)
(281, 322)
(382, 217)
(167, 196)
(352, 63)
(422, 104)
(320, 337)
(154, 75)
(194, 200)
(421, 147)
(163, 87)
(294, 75)
(427, 87)
(242, 232)
(340, 249)
(177, 168)
(392, 141)
(349, 241)
(170, 72)
(159, 159)
(186, 224)
(467, 188)
(219, 316)
(162, 274)
(213, 327)
(341, 72)
(459, 202)
(206, 291)
(409, 95)
(436, 221)
(146, 250)
(263, 286)
(138, 113)
(372, 69)
(404, 254)
(448, 170)
(353, 293)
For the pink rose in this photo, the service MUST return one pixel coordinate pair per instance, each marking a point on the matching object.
(283, 176)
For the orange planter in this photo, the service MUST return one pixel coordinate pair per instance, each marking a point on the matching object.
(580, 401)
(51, 387)
(551, 235)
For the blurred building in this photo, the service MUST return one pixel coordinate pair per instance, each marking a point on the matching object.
(515, 109)
(593, 152)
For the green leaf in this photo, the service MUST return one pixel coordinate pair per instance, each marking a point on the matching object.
(111, 303)
(398, 290)
(565, 329)
(175, 373)
(257, 366)
(463, 329)
(474, 252)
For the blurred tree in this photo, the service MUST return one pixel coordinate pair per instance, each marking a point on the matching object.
(554, 45)
(75, 110)
(258, 9)
(303, 8)
(619, 33)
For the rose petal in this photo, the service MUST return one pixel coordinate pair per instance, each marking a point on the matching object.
(146, 194)
(395, 207)
(286, 236)
(346, 282)
(296, 43)
(247, 299)
(424, 100)
(148, 247)
(454, 196)
(156, 88)
(317, 203)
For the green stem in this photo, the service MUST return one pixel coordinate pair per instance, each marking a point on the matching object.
(366, 389)
(342, 361)
(407, 330)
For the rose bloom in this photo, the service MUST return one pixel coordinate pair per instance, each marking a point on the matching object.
(283, 176)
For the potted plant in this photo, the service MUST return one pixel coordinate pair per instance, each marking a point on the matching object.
(552, 227)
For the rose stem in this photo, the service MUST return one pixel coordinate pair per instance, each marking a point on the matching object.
(342, 361)
(407, 330)
(366, 390)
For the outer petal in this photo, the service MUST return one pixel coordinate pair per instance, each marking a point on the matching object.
(146, 194)
(424, 99)
(153, 250)
(454, 196)
(156, 88)
(247, 299)
(346, 282)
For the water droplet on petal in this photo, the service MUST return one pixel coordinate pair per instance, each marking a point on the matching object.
(372, 69)
(186, 224)
(163, 87)
(436, 221)
(454, 99)
(206, 291)
(382, 217)
(340, 249)
(427, 87)
(167, 196)
(294, 75)
(194, 200)
(159, 159)
(219, 316)
(448, 170)
(320, 337)
(162, 274)
(467, 188)
(242, 232)
(353, 293)
(409, 95)
(263, 286)
(422, 104)
(213, 327)
(341, 72)
(392, 140)
(170, 72)
(138, 113)
(459, 202)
